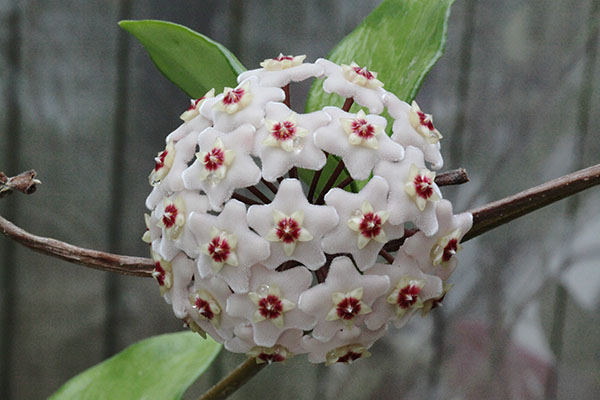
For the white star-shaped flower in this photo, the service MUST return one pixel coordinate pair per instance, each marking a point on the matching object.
(282, 70)
(271, 303)
(359, 155)
(286, 141)
(413, 192)
(228, 247)
(206, 306)
(182, 272)
(364, 226)
(194, 110)
(170, 169)
(410, 288)
(414, 128)
(287, 345)
(196, 124)
(242, 105)
(223, 164)
(345, 294)
(293, 226)
(436, 254)
(153, 232)
(353, 81)
(343, 348)
(173, 214)
(162, 272)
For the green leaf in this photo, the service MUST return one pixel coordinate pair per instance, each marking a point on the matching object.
(161, 367)
(401, 40)
(189, 59)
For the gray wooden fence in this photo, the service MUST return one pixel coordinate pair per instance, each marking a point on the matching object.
(516, 96)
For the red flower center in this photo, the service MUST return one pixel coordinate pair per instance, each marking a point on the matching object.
(423, 186)
(269, 358)
(159, 273)
(426, 120)
(349, 357)
(219, 249)
(363, 129)
(204, 309)
(160, 162)
(407, 296)
(370, 225)
(233, 96)
(270, 307)
(170, 215)
(288, 230)
(214, 159)
(195, 103)
(363, 72)
(348, 308)
(282, 57)
(283, 130)
(450, 250)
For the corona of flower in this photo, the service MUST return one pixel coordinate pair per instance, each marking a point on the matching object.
(262, 245)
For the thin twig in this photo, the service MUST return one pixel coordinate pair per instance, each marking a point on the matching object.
(313, 185)
(485, 218)
(232, 382)
(126, 265)
(388, 257)
(345, 182)
(452, 177)
(497, 213)
(254, 190)
(269, 186)
(448, 178)
(394, 245)
(244, 199)
(331, 181)
(347, 104)
(25, 182)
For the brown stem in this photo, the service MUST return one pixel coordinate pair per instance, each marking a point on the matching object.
(485, 218)
(269, 186)
(394, 245)
(126, 265)
(244, 199)
(452, 177)
(232, 382)
(313, 185)
(345, 182)
(293, 173)
(314, 182)
(329, 184)
(254, 190)
(448, 178)
(286, 90)
(497, 213)
(388, 257)
(24, 182)
(347, 104)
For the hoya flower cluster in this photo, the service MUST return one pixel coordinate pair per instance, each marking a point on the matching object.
(272, 266)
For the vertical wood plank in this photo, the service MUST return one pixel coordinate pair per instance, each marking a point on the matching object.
(10, 141)
(68, 81)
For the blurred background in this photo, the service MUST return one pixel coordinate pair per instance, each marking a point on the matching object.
(515, 96)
